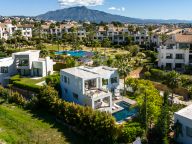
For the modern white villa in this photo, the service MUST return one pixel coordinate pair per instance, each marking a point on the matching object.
(176, 53)
(184, 118)
(25, 63)
(90, 86)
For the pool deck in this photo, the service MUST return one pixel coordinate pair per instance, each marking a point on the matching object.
(127, 100)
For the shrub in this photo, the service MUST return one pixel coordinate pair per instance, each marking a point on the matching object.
(147, 75)
(53, 81)
(157, 74)
(4, 93)
(130, 132)
(29, 87)
(17, 98)
(98, 127)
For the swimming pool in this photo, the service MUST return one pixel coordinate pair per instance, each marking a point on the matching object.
(125, 113)
(75, 53)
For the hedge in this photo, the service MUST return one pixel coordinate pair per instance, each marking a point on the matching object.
(96, 126)
(29, 87)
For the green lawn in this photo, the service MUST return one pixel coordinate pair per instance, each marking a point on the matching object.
(20, 126)
(27, 80)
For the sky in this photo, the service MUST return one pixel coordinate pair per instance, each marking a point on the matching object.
(145, 9)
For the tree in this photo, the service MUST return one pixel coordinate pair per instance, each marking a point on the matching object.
(14, 22)
(124, 65)
(44, 53)
(131, 29)
(172, 81)
(149, 102)
(106, 43)
(17, 35)
(164, 119)
(163, 38)
(96, 44)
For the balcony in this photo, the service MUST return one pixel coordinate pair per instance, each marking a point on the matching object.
(96, 93)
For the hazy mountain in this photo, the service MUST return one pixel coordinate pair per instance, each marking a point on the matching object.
(83, 13)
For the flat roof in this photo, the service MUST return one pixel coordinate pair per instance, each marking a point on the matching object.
(26, 52)
(185, 112)
(80, 72)
(101, 70)
(6, 59)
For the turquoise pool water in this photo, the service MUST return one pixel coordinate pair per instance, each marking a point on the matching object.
(125, 113)
(75, 53)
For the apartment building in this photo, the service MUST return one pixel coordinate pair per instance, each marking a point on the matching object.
(90, 86)
(183, 122)
(6, 30)
(25, 63)
(176, 53)
(26, 30)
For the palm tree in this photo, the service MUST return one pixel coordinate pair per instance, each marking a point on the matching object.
(163, 38)
(131, 29)
(150, 33)
(172, 81)
(124, 65)
(17, 35)
(106, 43)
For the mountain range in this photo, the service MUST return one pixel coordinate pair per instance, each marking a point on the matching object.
(84, 14)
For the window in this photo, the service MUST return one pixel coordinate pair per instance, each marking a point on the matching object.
(113, 80)
(169, 56)
(184, 45)
(189, 131)
(65, 79)
(105, 81)
(66, 91)
(178, 65)
(68, 81)
(24, 62)
(179, 56)
(4, 69)
(75, 95)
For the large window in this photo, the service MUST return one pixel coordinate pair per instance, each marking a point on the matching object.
(24, 62)
(189, 131)
(4, 70)
(178, 65)
(113, 80)
(179, 56)
(184, 45)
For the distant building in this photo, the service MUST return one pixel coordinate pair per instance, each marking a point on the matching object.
(176, 53)
(183, 122)
(90, 86)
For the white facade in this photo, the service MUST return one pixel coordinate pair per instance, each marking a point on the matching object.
(184, 117)
(175, 54)
(7, 31)
(6, 70)
(26, 31)
(89, 86)
(25, 63)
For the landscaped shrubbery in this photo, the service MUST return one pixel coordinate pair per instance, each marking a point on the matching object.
(130, 131)
(12, 97)
(16, 81)
(29, 87)
(96, 126)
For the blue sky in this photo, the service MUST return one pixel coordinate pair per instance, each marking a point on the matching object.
(156, 9)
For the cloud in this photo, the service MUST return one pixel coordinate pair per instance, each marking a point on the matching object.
(117, 9)
(70, 3)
